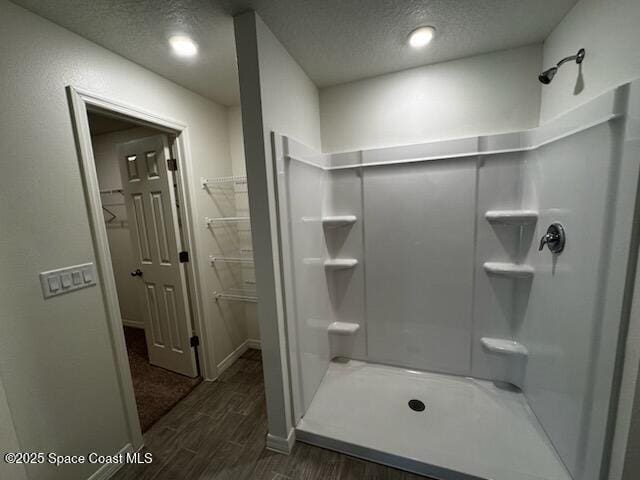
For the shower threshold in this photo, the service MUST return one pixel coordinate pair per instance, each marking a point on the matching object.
(469, 429)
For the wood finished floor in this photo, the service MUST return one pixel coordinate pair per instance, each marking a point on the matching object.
(218, 432)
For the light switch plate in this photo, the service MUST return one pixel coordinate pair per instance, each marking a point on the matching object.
(67, 279)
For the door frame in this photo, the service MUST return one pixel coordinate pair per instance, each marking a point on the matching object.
(80, 103)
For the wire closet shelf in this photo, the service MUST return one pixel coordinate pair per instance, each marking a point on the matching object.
(241, 256)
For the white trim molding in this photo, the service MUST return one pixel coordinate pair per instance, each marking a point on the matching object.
(232, 357)
(80, 103)
(281, 444)
(237, 353)
(133, 323)
(108, 470)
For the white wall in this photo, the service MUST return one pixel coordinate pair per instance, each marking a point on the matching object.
(236, 147)
(56, 363)
(485, 94)
(631, 393)
(290, 100)
(122, 256)
(276, 96)
(608, 31)
(8, 441)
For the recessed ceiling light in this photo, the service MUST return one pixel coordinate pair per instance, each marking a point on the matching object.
(421, 36)
(183, 46)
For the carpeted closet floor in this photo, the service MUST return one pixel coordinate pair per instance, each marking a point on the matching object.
(157, 390)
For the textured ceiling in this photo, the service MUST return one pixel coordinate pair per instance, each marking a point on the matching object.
(334, 41)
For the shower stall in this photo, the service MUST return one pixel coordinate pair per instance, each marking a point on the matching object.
(457, 308)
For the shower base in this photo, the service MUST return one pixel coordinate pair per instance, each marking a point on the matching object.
(469, 429)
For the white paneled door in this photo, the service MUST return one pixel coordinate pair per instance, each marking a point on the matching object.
(148, 187)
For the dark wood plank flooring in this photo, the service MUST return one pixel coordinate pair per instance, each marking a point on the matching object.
(218, 432)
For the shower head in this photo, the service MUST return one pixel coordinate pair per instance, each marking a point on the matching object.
(546, 76)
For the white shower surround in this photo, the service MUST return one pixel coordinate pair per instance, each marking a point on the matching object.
(568, 382)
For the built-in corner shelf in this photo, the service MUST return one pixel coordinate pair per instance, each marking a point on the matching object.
(504, 346)
(340, 263)
(343, 328)
(339, 221)
(509, 269)
(514, 217)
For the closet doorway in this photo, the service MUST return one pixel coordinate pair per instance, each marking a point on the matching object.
(138, 186)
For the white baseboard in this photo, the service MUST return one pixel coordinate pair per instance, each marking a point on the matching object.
(232, 357)
(237, 353)
(281, 444)
(132, 323)
(108, 470)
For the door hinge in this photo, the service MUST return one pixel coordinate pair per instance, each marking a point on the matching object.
(172, 164)
(183, 257)
(194, 341)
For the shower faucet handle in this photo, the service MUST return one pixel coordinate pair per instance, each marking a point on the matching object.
(546, 238)
(554, 239)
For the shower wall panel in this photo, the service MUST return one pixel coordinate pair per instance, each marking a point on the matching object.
(419, 249)
(312, 306)
(496, 314)
(346, 287)
(573, 181)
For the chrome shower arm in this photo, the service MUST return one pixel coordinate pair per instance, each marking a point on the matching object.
(546, 76)
(578, 57)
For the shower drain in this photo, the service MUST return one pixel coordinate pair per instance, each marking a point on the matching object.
(416, 405)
